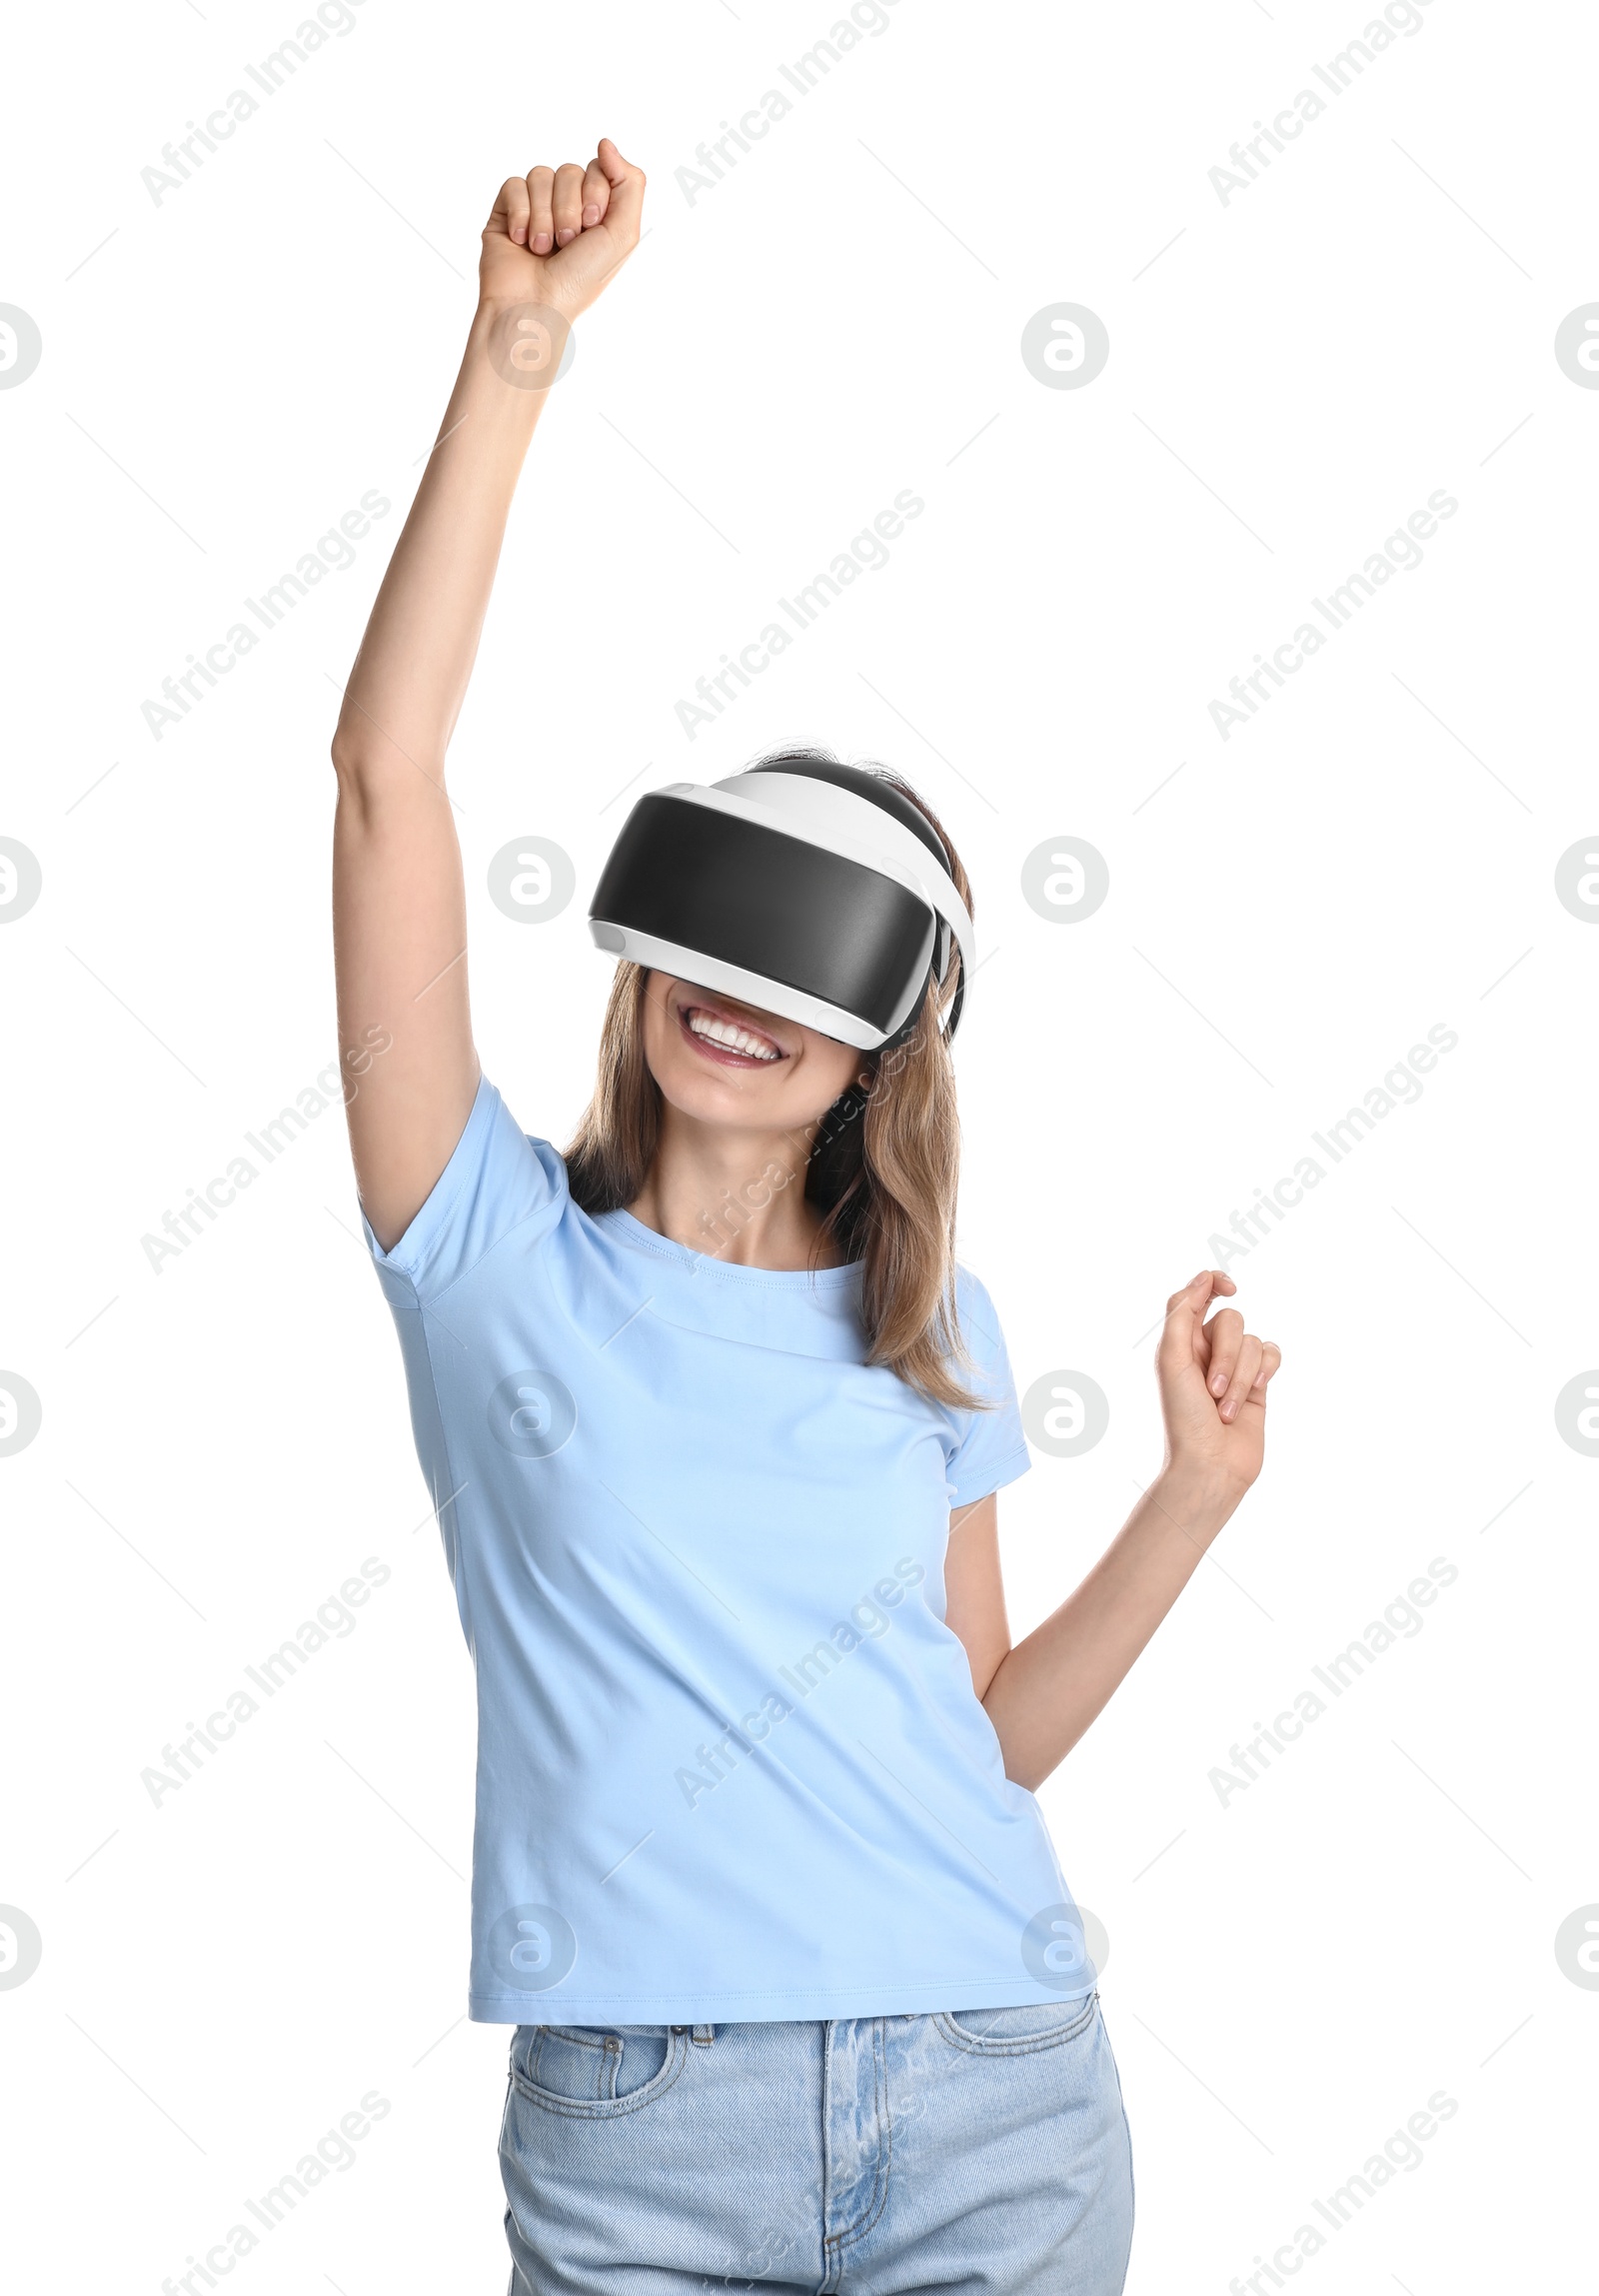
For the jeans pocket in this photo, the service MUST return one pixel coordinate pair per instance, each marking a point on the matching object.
(1017, 2032)
(596, 2071)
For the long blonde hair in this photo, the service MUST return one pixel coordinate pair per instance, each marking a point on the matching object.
(883, 1167)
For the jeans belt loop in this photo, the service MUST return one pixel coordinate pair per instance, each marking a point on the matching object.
(705, 2035)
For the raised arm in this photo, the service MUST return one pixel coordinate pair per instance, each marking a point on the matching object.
(553, 242)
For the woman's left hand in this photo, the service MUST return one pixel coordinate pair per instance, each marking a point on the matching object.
(1213, 1388)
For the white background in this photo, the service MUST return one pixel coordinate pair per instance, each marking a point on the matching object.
(1291, 374)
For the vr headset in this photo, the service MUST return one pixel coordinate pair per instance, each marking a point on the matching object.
(808, 889)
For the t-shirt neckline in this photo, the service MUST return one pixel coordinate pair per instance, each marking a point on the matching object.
(635, 1232)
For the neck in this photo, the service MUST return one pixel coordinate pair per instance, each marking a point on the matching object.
(736, 1195)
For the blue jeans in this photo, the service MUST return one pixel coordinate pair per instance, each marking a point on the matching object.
(984, 2152)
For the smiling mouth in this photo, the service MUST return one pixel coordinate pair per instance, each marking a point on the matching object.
(718, 1035)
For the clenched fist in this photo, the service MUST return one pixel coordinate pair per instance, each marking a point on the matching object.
(558, 234)
(1214, 1379)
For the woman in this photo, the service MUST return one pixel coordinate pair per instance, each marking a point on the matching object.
(715, 1431)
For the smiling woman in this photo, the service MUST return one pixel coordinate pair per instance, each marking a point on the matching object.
(681, 1392)
(833, 895)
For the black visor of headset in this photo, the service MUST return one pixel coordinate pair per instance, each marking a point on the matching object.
(813, 890)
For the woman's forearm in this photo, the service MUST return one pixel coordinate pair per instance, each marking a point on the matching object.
(1213, 1380)
(1046, 1691)
(409, 677)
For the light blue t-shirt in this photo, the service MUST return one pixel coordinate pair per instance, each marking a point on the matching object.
(731, 1765)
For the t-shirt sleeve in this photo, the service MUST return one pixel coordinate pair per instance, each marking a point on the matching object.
(990, 1449)
(497, 1182)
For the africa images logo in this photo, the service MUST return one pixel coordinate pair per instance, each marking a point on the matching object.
(532, 1413)
(1065, 1947)
(530, 1948)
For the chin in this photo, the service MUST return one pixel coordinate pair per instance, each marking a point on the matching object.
(733, 1098)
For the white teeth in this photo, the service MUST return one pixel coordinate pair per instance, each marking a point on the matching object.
(725, 1032)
